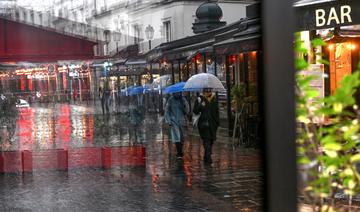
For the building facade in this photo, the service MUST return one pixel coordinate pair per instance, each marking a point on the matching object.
(118, 24)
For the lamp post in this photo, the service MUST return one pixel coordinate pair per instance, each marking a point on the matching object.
(149, 32)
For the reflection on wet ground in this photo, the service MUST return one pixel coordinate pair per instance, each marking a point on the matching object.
(63, 126)
(160, 182)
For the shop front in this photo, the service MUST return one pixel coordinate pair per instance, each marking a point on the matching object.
(48, 82)
(238, 64)
(230, 52)
(334, 22)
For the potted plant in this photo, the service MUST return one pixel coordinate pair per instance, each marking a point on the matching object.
(237, 95)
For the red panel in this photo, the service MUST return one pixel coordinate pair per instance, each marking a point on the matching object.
(30, 84)
(45, 160)
(27, 161)
(128, 156)
(59, 159)
(22, 84)
(29, 43)
(85, 157)
(106, 157)
(10, 162)
(63, 159)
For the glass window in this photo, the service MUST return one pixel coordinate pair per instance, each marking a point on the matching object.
(167, 28)
(136, 35)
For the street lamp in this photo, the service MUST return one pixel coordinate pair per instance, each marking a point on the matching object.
(149, 32)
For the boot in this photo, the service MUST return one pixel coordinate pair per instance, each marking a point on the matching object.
(179, 153)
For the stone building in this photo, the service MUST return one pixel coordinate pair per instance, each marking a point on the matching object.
(121, 23)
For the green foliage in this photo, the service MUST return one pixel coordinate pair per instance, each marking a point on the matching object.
(237, 95)
(328, 140)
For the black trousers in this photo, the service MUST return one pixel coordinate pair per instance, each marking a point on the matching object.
(105, 104)
(207, 149)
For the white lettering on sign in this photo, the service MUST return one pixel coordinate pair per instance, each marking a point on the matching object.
(345, 12)
(333, 17)
(323, 18)
(320, 17)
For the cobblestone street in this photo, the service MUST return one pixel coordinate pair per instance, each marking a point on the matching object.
(161, 183)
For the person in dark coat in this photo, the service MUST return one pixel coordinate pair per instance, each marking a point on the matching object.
(105, 96)
(207, 106)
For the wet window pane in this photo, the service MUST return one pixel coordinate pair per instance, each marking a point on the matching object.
(146, 105)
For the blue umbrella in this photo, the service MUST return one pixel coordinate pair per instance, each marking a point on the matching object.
(147, 88)
(128, 90)
(178, 87)
(136, 90)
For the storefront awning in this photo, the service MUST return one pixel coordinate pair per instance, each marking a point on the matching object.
(23, 42)
(135, 62)
(187, 51)
(119, 62)
(205, 50)
(239, 45)
(322, 14)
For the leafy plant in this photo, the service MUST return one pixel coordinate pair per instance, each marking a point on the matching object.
(237, 95)
(328, 139)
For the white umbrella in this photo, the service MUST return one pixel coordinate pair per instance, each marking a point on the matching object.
(204, 80)
(162, 81)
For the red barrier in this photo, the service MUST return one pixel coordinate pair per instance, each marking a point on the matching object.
(49, 160)
(106, 157)
(128, 156)
(84, 157)
(63, 159)
(27, 161)
(59, 159)
(10, 162)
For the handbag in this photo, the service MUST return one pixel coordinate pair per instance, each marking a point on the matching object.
(195, 119)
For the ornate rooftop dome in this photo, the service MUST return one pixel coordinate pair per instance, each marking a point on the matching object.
(209, 10)
(208, 17)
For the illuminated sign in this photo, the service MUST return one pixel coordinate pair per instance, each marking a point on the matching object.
(326, 18)
(327, 14)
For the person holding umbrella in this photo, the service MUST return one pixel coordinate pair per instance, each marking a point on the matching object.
(206, 105)
(176, 110)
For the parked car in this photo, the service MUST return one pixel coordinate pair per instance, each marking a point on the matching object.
(21, 103)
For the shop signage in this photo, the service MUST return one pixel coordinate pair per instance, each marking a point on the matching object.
(327, 14)
(326, 18)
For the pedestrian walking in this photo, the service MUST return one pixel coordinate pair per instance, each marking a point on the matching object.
(136, 116)
(75, 95)
(206, 105)
(176, 110)
(105, 95)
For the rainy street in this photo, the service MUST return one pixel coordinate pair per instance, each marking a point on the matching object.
(130, 106)
(143, 175)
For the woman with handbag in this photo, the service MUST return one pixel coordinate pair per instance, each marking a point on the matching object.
(207, 106)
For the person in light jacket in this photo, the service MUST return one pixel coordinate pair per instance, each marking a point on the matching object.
(176, 110)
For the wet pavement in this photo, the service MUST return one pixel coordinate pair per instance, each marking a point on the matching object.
(160, 182)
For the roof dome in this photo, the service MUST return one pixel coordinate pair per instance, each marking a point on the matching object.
(209, 10)
(208, 17)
